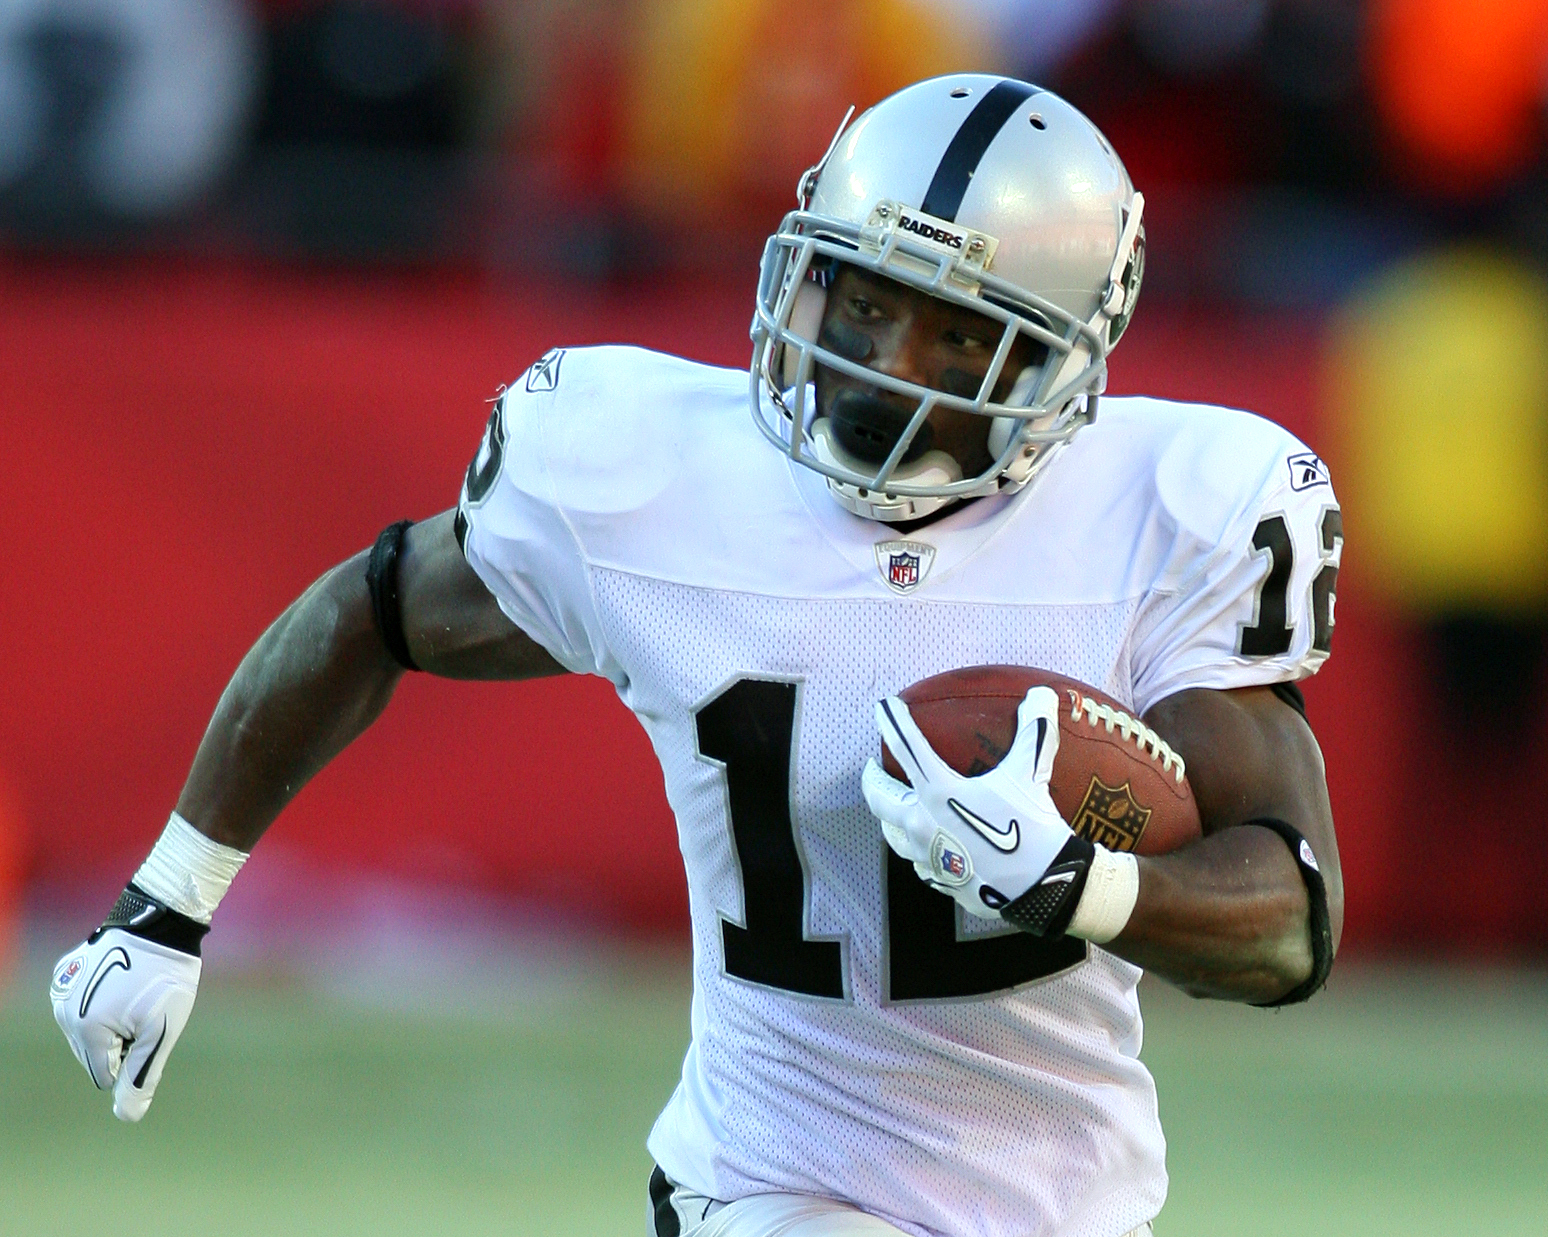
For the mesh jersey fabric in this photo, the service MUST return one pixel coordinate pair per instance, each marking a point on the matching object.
(942, 1072)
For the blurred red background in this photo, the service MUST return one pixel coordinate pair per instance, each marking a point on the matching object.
(202, 440)
(242, 330)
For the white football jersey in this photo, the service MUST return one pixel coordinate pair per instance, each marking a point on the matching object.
(854, 1035)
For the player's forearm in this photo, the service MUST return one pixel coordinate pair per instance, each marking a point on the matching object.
(314, 681)
(1226, 917)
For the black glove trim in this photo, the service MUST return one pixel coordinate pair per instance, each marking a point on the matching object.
(382, 581)
(1318, 921)
(1047, 908)
(139, 914)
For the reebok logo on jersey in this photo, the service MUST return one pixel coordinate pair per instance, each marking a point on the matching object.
(904, 564)
(1306, 470)
(544, 374)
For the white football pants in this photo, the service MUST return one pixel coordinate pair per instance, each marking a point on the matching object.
(778, 1215)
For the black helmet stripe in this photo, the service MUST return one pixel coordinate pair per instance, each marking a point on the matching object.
(944, 197)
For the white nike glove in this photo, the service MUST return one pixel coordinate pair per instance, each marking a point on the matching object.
(994, 842)
(123, 996)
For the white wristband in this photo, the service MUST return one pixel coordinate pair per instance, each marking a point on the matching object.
(1112, 888)
(187, 872)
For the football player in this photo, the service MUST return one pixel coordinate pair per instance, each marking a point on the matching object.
(930, 478)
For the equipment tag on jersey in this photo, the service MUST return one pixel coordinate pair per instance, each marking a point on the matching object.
(904, 564)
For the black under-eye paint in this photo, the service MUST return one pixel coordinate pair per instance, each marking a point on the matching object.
(843, 339)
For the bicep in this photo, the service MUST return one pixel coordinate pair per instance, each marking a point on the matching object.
(454, 626)
(1250, 755)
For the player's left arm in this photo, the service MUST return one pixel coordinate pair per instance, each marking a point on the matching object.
(1231, 915)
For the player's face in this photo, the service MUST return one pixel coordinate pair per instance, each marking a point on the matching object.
(908, 334)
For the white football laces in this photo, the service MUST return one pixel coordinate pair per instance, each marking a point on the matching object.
(1130, 728)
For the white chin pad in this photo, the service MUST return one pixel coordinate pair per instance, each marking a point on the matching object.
(931, 468)
(805, 321)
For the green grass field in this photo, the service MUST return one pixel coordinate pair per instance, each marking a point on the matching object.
(1407, 1103)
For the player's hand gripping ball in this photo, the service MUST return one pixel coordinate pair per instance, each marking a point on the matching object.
(986, 839)
(1114, 779)
(122, 1001)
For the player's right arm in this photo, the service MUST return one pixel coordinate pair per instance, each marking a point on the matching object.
(322, 674)
(315, 680)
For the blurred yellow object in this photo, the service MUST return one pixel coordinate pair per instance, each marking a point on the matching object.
(1439, 389)
(732, 100)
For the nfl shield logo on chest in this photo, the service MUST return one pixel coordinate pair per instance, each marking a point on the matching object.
(904, 564)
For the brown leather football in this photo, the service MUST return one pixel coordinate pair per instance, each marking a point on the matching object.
(1114, 780)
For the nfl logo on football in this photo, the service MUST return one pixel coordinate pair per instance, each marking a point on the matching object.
(904, 564)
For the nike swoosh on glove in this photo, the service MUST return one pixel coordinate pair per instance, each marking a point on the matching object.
(985, 840)
(122, 1000)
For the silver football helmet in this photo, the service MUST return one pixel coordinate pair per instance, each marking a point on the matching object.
(991, 194)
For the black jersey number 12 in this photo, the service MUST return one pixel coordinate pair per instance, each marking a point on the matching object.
(1270, 633)
(749, 729)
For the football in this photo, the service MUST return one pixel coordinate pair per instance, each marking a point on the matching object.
(1114, 780)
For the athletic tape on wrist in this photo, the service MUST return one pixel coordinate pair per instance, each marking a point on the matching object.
(1112, 888)
(1319, 923)
(187, 872)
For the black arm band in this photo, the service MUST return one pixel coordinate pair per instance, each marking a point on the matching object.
(1290, 693)
(139, 914)
(1317, 912)
(382, 580)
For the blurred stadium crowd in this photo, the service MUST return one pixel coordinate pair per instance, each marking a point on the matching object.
(1289, 146)
(1376, 168)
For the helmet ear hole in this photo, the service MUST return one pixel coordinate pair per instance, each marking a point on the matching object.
(805, 321)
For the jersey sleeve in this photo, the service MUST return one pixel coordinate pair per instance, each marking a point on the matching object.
(1256, 606)
(515, 535)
